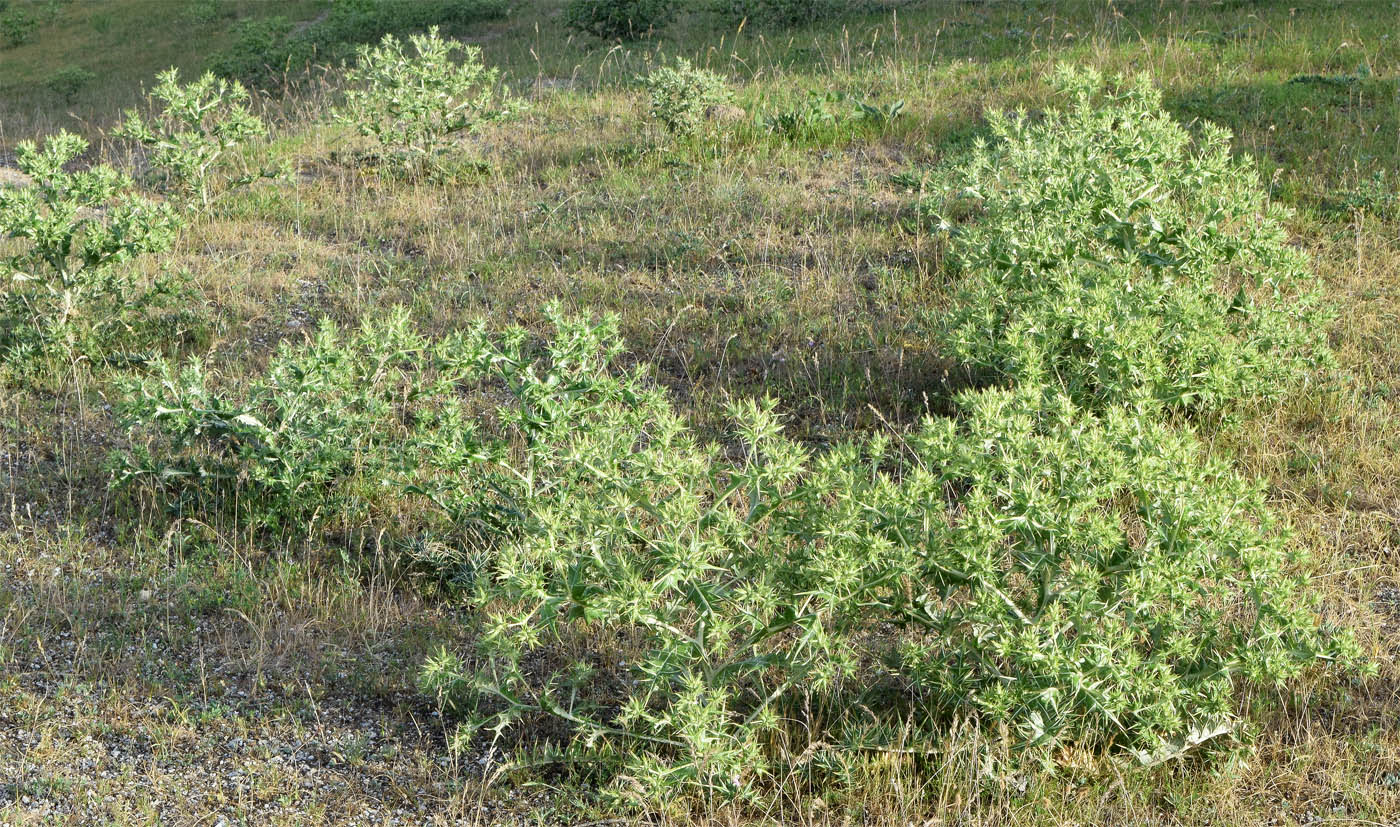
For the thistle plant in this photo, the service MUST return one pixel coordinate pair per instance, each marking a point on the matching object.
(1083, 577)
(76, 228)
(313, 442)
(682, 95)
(1105, 250)
(194, 132)
(414, 103)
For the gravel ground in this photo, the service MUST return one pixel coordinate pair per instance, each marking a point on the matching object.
(137, 693)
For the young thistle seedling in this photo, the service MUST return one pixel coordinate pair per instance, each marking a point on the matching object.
(194, 130)
(414, 102)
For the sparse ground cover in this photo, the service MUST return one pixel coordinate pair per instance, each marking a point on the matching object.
(190, 667)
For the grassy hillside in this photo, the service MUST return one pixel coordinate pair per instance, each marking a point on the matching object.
(179, 668)
(120, 46)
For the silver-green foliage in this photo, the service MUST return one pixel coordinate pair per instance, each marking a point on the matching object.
(1085, 577)
(414, 103)
(681, 96)
(193, 132)
(1106, 249)
(74, 229)
(313, 442)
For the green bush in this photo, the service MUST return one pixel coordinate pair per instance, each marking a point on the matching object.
(1374, 196)
(1101, 578)
(1106, 251)
(17, 27)
(191, 132)
(413, 104)
(264, 49)
(313, 443)
(260, 51)
(618, 19)
(69, 81)
(204, 12)
(1093, 581)
(77, 227)
(682, 96)
(1084, 578)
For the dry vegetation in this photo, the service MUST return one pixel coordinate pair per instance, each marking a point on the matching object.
(192, 670)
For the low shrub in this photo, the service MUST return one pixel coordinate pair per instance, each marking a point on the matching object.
(1105, 250)
(204, 12)
(263, 50)
(17, 27)
(413, 104)
(682, 96)
(618, 19)
(1083, 579)
(192, 131)
(1373, 196)
(677, 604)
(260, 51)
(76, 228)
(69, 81)
(311, 443)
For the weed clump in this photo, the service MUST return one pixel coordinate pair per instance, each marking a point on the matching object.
(682, 96)
(68, 81)
(193, 131)
(824, 115)
(414, 104)
(1106, 251)
(17, 27)
(77, 228)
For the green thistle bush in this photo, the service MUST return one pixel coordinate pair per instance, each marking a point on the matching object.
(1104, 250)
(618, 19)
(75, 229)
(193, 131)
(350, 423)
(413, 104)
(682, 96)
(1101, 579)
(17, 27)
(68, 81)
(1084, 577)
(312, 443)
(1084, 580)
